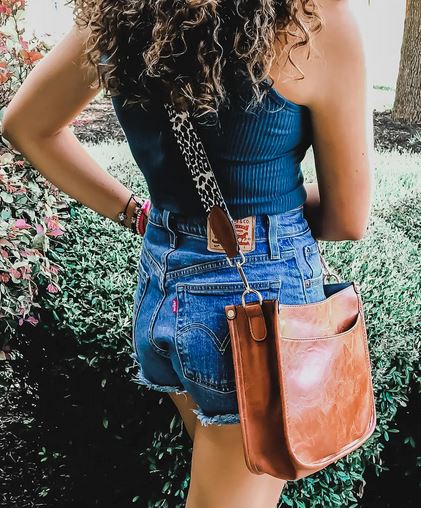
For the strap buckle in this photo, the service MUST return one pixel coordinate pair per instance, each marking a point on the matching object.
(239, 266)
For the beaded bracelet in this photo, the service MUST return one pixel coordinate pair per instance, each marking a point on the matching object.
(140, 217)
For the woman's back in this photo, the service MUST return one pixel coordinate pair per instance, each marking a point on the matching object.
(317, 98)
(255, 155)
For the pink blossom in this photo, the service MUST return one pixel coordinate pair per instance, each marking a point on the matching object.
(40, 229)
(32, 320)
(52, 222)
(16, 273)
(21, 224)
(4, 277)
(23, 43)
(53, 269)
(26, 270)
(4, 253)
(56, 232)
(51, 288)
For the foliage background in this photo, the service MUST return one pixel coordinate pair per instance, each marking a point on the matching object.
(76, 432)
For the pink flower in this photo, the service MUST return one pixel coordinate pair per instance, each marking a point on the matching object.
(52, 222)
(4, 253)
(53, 269)
(32, 320)
(26, 270)
(56, 232)
(21, 224)
(40, 229)
(4, 277)
(51, 288)
(15, 273)
(11, 188)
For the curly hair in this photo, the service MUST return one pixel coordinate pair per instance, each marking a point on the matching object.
(193, 53)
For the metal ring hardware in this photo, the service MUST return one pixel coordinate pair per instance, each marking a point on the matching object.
(248, 289)
(251, 290)
(327, 271)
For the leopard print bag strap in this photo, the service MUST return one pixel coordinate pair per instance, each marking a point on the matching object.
(207, 187)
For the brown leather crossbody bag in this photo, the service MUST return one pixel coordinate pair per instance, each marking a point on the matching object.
(302, 372)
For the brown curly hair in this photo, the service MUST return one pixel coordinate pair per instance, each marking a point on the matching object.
(194, 53)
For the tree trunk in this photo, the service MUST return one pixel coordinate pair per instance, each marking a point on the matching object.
(407, 106)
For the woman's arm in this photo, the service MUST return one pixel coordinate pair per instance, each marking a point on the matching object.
(36, 123)
(338, 207)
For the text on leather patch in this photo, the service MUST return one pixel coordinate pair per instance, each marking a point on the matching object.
(245, 228)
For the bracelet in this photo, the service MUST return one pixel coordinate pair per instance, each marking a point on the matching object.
(122, 216)
(140, 217)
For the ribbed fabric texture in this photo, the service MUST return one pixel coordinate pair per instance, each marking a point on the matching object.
(255, 156)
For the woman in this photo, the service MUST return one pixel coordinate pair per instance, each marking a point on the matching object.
(277, 76)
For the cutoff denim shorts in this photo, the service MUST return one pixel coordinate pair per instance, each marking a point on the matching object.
(180, 333)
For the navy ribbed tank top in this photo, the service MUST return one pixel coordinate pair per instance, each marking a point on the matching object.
(255, 155)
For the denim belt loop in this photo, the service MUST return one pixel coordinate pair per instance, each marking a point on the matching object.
(273, 237)
(167, 218)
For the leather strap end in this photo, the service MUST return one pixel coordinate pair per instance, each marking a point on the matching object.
(224, 230)
(256, 320)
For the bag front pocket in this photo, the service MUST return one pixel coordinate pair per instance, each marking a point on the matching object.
(202, 337)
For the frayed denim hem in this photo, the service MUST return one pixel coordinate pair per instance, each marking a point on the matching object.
(140, 379)
(206, 420)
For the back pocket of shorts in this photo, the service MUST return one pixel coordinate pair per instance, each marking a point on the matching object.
(202, 337)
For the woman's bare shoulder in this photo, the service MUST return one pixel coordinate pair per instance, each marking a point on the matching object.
(334, 53)
(338, 50)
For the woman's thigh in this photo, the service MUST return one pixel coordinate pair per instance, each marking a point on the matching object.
(219, 475)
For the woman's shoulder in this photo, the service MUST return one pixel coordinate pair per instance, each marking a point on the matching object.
(334, 54)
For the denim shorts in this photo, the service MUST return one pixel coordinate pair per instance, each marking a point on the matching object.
(180, 333)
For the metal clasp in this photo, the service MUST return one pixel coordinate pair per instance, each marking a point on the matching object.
(327, 272)
(248, 289)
